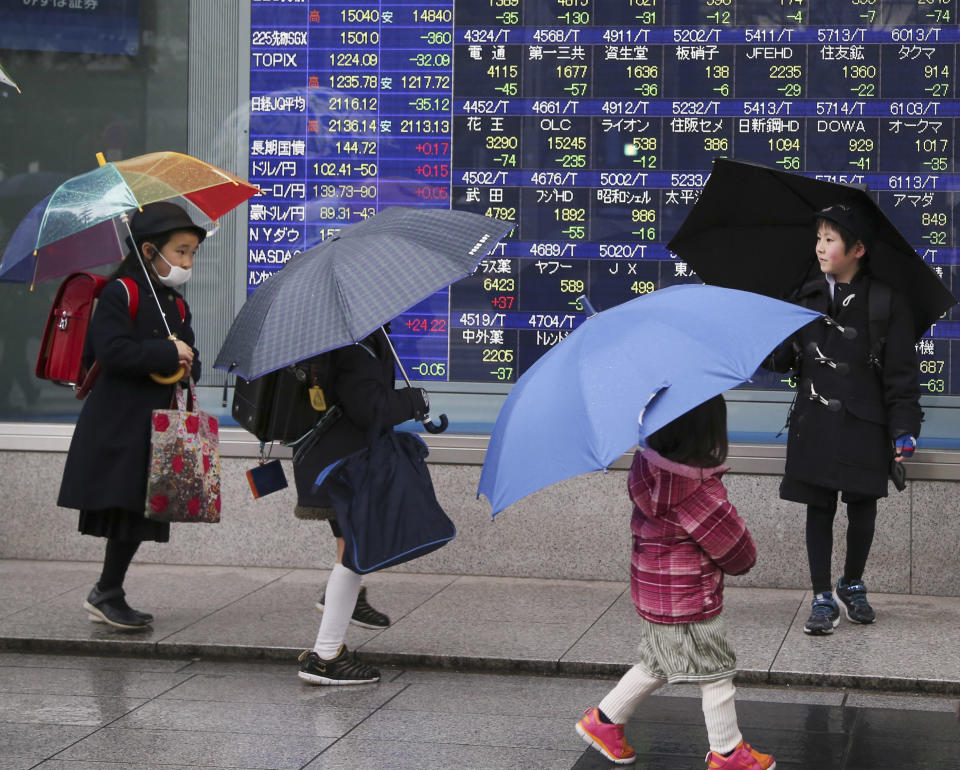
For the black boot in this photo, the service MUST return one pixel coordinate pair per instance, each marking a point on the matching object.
(111, 607)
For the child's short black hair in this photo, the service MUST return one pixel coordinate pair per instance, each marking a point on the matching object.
(847, 235)
(698, 437)
(851, 219)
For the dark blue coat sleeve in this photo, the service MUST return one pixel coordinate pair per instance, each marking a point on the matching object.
(119, 346)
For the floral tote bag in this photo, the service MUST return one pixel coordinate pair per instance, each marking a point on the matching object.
(183, 481)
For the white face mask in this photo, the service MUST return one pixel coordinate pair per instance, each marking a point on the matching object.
(177, 275)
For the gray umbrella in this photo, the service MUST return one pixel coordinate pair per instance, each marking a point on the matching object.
(341, 290)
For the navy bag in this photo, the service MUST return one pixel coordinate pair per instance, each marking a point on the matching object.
(385, 503)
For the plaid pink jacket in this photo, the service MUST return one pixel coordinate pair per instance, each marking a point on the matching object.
(686, 534)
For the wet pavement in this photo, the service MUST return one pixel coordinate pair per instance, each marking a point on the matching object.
(478, 672)
(82, 712)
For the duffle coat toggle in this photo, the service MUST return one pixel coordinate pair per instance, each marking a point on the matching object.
(813, 351)
(832, 404)
(848, 332)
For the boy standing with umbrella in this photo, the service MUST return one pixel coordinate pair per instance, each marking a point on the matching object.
(856, 411)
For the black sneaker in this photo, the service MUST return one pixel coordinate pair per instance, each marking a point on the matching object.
(364, 615)
(111, 607)
(343, 669)
(96, 595)
(824, 615)
(853, 594)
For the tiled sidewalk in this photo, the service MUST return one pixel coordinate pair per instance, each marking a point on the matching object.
(471, 623)
(65, 712)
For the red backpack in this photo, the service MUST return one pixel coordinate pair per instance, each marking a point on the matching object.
(61, 347)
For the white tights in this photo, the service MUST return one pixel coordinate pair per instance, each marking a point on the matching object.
(339, 601)
(719, 710)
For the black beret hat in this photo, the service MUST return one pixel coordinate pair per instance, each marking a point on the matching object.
(162, 217)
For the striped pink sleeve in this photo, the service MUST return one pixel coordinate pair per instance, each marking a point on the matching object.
(713, 522)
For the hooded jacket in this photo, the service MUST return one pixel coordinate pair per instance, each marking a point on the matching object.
(686, 534)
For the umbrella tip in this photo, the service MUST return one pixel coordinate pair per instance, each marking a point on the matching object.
(588, 308)
(101, 159)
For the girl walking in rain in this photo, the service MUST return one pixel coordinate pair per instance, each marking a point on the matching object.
(686, 535)
(857, 408)
(105, 476)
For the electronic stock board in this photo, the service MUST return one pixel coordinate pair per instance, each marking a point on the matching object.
(593, 125)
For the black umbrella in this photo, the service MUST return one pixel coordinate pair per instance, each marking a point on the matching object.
(752, 229)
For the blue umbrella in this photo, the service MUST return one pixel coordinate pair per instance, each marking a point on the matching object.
(649, 360)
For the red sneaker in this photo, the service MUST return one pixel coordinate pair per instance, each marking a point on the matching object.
(744, 757)
(606, 738)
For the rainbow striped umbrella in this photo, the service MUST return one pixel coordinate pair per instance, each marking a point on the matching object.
(75, 227)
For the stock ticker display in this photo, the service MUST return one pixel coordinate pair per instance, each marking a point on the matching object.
(591, 124)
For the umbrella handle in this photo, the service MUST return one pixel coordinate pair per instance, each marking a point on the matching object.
(434, 428)
(169, 379)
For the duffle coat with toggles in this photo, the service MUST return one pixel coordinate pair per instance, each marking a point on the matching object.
(106, 466)
(846, 444)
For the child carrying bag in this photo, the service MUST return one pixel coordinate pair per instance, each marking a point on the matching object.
(183, 479)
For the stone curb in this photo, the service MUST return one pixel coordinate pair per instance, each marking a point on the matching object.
(135, 648)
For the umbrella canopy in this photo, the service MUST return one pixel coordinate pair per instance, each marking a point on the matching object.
(6, 80)
(752, 229)
(649, 360)
(341, 290)
(159, 176)
(73, 227)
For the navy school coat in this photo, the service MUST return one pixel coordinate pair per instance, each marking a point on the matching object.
(106, 465)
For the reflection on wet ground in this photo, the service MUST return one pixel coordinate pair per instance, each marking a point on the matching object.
(69, 712)
(799, 736)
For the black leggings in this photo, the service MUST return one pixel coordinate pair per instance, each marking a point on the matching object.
(861, 519)
(117, 558)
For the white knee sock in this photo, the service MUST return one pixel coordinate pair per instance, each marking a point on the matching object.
(720, 715)
(343, 585)
(629, 693)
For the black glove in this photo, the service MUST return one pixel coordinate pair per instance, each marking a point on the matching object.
(421, 404)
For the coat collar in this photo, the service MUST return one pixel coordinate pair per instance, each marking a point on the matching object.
(814, 287)
(819, 284)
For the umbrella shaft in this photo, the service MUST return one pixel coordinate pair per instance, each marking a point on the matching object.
(153, 291)
(396, 358)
